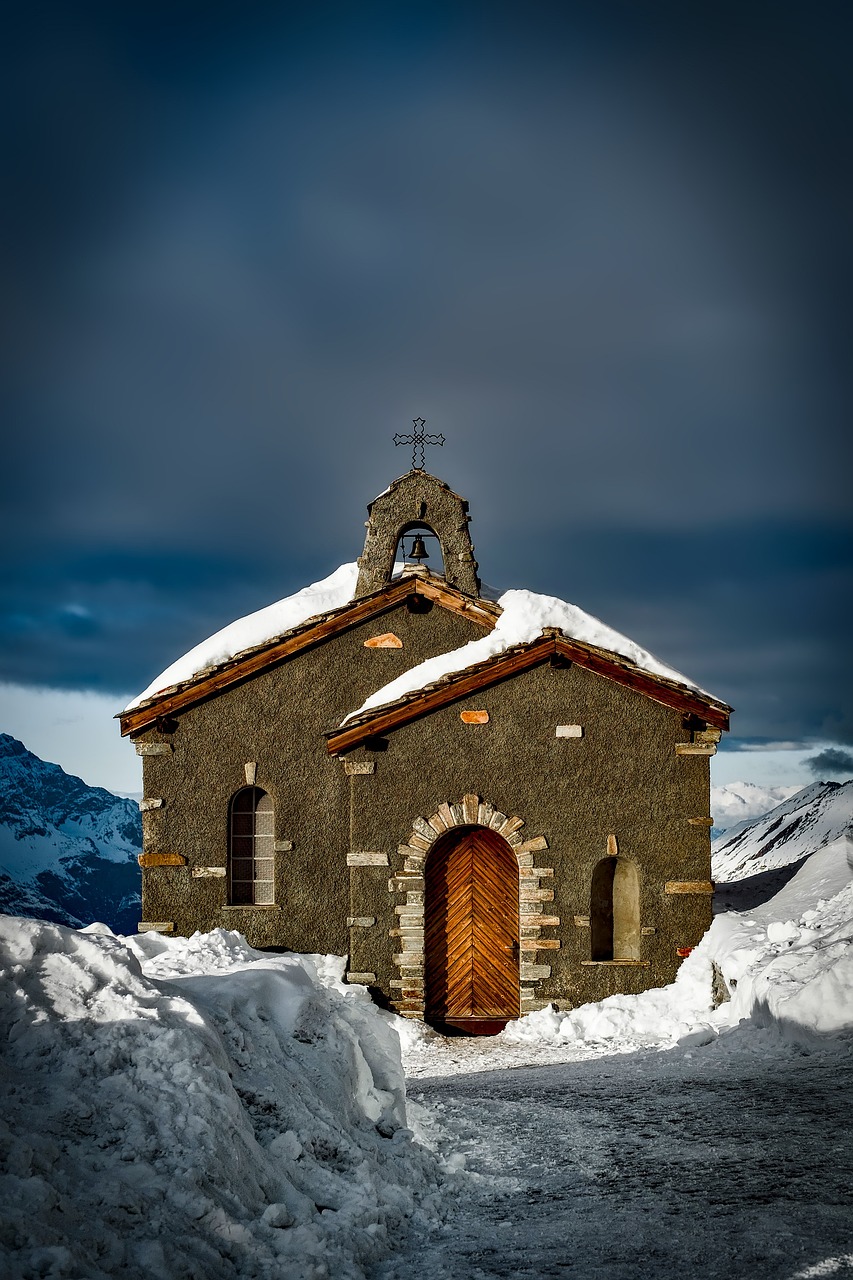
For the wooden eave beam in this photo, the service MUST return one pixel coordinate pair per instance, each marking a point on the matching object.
(237, 669)
(670, 695)
(439, 696)
(659, 688)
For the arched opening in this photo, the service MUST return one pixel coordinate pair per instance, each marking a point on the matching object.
(471, 932)
(418, 543)
(614, 915)
(251, 848)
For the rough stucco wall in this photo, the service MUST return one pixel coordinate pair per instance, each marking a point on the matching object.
(277, 720)
(621, 778)
(418, 498)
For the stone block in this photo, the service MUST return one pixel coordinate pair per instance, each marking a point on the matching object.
(423, 828)
(533, 846)
(357, 768)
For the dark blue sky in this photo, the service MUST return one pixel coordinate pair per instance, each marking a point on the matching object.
(605, 248)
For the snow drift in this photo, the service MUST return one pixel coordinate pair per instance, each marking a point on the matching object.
(186, 1107)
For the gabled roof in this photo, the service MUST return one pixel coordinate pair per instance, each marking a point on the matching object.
(250, 661)
(511, 662)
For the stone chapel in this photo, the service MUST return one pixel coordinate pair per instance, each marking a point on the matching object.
(484, 818)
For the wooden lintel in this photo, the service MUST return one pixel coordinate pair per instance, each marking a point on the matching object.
(689, 886)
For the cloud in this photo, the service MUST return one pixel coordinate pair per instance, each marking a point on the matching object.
(609, 263)
(831, 760)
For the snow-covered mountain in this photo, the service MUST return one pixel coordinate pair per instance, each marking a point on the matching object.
(742, 801)
(67, 850)
(766, 850)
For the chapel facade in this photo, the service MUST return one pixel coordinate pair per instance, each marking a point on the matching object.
(528, 828)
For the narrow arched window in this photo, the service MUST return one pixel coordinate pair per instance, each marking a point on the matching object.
(614, 910)
(251, 845)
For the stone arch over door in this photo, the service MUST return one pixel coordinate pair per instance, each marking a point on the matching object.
(535, 916)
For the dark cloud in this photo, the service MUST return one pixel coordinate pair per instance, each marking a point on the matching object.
(832, 761)
(604, 248)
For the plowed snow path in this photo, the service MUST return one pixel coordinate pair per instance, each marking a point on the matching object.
(723, 1162)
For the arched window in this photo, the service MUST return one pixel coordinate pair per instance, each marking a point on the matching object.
(614, 914)
(251, 845)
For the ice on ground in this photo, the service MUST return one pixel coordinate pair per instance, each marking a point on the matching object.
(788, 965)
(525, 615)
(257, 628)
(194, 1107)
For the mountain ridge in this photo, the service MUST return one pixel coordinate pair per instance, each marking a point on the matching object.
(67, 850)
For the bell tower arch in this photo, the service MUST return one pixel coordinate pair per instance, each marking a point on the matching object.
(420, 500)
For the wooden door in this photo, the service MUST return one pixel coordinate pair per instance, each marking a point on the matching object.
(471, 931)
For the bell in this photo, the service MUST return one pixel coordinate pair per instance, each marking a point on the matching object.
(418, 551)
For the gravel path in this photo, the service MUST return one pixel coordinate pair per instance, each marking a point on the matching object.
(719, 1162)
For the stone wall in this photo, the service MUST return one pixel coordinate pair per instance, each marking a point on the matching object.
(270, 732)
(582, 769)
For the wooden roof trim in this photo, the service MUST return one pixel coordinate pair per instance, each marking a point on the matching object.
(660, 688)
(499, 668)
(313, 631)
(510, 663)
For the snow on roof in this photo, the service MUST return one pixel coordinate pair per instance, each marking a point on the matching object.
(257, 628)
(525, 615)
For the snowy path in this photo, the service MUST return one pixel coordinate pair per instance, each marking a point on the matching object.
(720, 1162)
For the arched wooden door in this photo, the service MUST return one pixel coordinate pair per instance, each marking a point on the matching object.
(471, 949)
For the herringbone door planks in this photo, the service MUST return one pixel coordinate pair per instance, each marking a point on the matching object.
(471, 928)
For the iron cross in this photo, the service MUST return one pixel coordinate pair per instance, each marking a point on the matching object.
(418, 439)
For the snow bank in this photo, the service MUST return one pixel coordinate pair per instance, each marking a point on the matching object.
(257, 628)
(185, 1107)
(525, 615)
(787, 964)
(790, 962)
